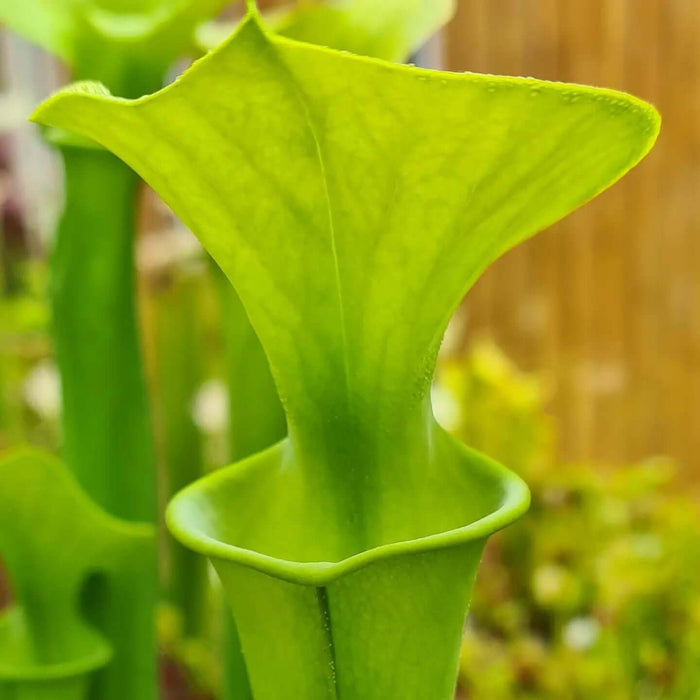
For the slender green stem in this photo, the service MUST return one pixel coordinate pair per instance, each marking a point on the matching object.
(179, 375)
(107, 438)
(107, 432)
(257, 421)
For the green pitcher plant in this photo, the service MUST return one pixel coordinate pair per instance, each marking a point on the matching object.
(65, 556)
(352, 203)
(391, 30)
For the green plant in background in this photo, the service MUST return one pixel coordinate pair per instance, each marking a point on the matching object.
(390, 30)
(26, 413)
(178, 373)
(596, 594)
(128, 46)
(352, 203)
(59, 548)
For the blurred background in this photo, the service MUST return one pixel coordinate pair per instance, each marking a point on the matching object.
(575, 361)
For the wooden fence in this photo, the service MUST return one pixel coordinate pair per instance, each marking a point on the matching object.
(606, 305)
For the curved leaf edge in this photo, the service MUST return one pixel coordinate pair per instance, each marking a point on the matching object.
(514, 502)
(33, 673)
(121, 527)
(12, 618)
(616, 98)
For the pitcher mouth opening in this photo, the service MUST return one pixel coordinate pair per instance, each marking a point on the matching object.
(198, 517)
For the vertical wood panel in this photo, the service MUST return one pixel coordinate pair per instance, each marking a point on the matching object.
(507, 39)
(542, 59)
(644, 287)
(610, 255)
(606, 303)
(470, 50)
(579, 49)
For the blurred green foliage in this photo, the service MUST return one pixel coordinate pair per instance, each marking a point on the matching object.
(29, 392)
(595, 594)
